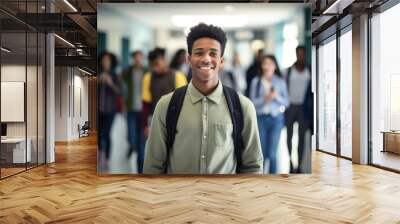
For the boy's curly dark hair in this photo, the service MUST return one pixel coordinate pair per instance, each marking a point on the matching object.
(204, 30)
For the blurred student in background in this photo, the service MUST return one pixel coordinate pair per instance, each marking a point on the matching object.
(179, 63)
(268, 91)
(239, 74)
(233, 76)
(227, 78)
(298, 80)
(159, 81)
(110, 94)
(132, 77)
(308, 116)
(254, 70)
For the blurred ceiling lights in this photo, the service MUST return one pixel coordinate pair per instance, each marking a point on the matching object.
(65, 41)
(70, 5)
(84, 71)
(227, 21)
(5, 49)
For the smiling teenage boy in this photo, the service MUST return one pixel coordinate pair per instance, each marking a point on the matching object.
(204, 127)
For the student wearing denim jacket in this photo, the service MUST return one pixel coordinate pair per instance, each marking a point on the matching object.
(269, 94)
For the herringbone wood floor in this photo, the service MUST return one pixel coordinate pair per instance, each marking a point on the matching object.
(70, 191)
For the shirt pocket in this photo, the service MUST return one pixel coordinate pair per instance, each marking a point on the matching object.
(223, 133)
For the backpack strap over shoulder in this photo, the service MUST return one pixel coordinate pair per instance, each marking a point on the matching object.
(236, 112)
(174, 109)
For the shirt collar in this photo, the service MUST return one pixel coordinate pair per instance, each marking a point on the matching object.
(196, 95)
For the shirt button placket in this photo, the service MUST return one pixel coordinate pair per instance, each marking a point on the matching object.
(203, 160)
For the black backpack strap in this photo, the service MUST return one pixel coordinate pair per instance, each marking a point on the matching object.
(235, 110)
(174, 109)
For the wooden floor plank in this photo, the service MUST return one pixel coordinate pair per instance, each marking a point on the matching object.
(70, 191)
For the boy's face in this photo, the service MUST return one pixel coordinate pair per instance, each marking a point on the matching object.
(206, 59)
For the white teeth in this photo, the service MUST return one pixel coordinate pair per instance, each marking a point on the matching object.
(205, 68)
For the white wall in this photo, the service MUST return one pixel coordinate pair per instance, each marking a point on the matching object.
(33, 126)
(14, 73)
(70, 83)
(61, 105)
(80, 100)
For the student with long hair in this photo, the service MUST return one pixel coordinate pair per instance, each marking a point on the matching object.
(178, 62)
(269, 94)
(109, 89)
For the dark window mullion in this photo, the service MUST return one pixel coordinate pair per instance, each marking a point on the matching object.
(37, 91)
(0, 97)
(369, 96)
(338, 96)
(317, 96)
(26, 86)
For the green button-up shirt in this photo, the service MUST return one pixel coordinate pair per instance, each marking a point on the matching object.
(203, 142)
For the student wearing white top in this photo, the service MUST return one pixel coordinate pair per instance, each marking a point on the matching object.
(298, 79)
(233, 76)
(239, 74)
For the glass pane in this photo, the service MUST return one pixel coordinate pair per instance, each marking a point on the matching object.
(346, 94)
(31, 97)
(13, 87)
(385, 85)
(41, 99)
(327, 97)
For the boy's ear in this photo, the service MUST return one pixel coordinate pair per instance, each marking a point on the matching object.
(188, 60)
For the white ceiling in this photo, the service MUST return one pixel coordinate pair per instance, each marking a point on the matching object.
(159, 15)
